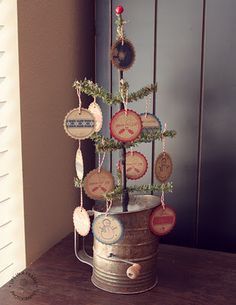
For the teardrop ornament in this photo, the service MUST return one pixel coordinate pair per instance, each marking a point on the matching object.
(95, 109)
(79, 164)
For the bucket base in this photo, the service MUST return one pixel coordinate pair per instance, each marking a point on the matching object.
(117, 290)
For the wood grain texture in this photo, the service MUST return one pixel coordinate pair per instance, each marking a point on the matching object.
(186, 276)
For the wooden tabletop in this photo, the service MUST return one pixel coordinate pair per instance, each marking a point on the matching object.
(186, 276)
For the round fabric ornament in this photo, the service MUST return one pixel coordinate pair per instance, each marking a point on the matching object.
(107, 229)
(81, 221)
(150, 123)
(163, 167)
(136, 165)
(122, 54)
(125, 125)
(79, 164)
(95, 109)
(79, 123)
(162, 220)
(97, 183)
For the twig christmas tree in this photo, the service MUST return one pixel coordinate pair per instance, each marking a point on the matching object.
(128, 128)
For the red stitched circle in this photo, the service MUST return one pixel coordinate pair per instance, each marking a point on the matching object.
(120, 139)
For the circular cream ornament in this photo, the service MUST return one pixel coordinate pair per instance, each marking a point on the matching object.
(97, 184)
(95, 109)
(79, 124)
(107, 229)
(81, 221)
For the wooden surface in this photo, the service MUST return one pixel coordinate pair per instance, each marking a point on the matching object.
(186, 276)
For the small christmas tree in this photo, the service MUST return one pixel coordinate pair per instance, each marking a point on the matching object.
(122, 56)
(127, 129)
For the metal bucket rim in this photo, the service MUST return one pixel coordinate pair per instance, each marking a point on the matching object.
(153, 205)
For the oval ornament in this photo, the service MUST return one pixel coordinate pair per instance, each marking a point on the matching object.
(163, 167)
(95, 109)
(81, 221)
(122, 54)
(79, 164)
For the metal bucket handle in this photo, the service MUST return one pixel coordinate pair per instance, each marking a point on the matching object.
(80, 252)
(83, 256)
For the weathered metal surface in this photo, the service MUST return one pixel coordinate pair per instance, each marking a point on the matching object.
(138, 245)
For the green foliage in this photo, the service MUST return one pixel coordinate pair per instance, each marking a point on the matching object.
(90, 88)
(107, 144)
(145, 188)
(120, 22)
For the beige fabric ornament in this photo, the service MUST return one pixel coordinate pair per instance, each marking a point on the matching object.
(122, 54)
(163, 167)
(162, 220)
(150, 123)
(97, 183)
(81, 221)
(107, 229)
(126, 125)
(79, 123)
(136, 165)
(79, 164)
(95, 109)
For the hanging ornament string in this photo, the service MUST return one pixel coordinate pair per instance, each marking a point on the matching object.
(79, 97)
(118, 173)
(163, 197)
(81, 196)
(163, 150)
(81, 185)
(148, 99)
(100, 161)
(132, 151)
(120, 30)
(125, 101)
(108, 206)
(164, 139)
(124, 95)
(122, 33)
(121, 87)
(94, 100)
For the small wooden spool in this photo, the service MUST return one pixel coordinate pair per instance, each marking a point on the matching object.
(133, 271)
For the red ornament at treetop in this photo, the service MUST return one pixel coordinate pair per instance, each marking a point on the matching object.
(119, 9)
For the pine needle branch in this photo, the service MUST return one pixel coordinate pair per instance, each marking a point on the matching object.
(90, 88)
(145, 188)
(106, 144)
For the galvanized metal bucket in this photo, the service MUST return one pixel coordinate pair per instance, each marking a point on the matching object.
(139, 245)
